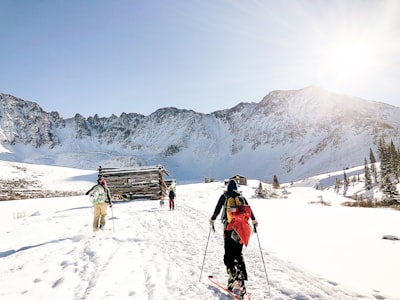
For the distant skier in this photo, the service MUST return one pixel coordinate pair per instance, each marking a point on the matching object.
(171, 196)
(100, 196)
(237, 232)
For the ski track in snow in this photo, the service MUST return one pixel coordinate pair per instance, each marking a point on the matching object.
(161, 256)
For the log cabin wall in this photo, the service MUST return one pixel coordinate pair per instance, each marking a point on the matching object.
(134, 183)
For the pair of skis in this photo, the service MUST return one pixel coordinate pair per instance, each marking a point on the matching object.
(236, 296)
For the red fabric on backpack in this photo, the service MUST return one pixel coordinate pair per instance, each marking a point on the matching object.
(240, 223)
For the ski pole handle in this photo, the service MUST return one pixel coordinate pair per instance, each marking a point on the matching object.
(212, 225)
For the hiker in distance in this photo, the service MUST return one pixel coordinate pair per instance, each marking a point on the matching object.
(171, 196)
(236, 212)
(100, 197)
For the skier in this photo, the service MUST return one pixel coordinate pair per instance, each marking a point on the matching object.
(100, 195)
(171, 196)
(233, 243)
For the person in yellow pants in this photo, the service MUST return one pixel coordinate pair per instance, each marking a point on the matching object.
(100, 214)
(100, 196)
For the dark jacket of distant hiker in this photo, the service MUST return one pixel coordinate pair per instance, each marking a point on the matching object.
(171, 196)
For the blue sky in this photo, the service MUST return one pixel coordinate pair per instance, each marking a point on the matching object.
(109, 57)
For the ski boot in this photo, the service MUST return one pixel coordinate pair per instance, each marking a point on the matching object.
(240, 284)
(242, 292)
(231, 279)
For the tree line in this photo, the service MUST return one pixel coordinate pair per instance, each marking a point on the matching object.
(388, 174)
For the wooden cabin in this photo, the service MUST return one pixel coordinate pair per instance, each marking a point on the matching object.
(241, 180)
(209, 179)
(136, 183)
(170, 182)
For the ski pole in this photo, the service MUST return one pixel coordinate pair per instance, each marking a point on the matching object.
(201, 272)
(112, 217)
(262, 257)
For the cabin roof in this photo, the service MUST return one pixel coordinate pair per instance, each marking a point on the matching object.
(236, 176)
(119, 171)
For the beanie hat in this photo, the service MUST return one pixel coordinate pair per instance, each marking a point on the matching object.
(232, 186)
(102, 182)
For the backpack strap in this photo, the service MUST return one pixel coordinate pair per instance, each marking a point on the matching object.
(230, 203)
(223, 215)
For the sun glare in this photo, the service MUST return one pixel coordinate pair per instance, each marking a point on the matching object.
(346, 63)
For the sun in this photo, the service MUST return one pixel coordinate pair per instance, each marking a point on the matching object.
(346, 62)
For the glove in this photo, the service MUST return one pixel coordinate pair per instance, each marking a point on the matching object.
(255, 223)
(212, 225)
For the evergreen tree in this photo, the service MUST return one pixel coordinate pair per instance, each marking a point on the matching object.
(388, 188)
(394, 160)
(260, 190)
(384, 156)
(371, 156)
(372, 161)
(275, 183)
(374, 173)
(346, 183)
(337, 185)
(389, 157)
(368, 181)
(345, 179)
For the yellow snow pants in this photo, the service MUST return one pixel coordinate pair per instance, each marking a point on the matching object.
(100, 213)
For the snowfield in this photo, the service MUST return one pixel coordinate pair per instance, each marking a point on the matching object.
(311, 251)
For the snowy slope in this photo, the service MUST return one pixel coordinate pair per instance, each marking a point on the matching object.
(48, 251)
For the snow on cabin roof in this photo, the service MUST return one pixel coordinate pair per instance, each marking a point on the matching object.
(237, 175)
(110, 171)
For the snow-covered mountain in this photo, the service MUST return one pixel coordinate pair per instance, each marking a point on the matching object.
(293, 134)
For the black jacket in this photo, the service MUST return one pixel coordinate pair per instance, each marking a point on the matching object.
(221, 203)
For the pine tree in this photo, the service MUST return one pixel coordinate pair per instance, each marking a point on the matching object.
(345, 179)
(368, 181)
(260, 190)
(374, 173)
(384, 156)
(371, 156)
(346, 183)
(388, 188)
(389, 174)
(394, 160)
(275, 183)
(337, 185)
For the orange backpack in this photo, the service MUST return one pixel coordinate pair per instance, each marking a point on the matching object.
(238, 216)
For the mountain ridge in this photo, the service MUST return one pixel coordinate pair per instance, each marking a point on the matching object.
(292, 134)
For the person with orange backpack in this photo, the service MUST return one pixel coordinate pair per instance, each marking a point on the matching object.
(235, 216)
